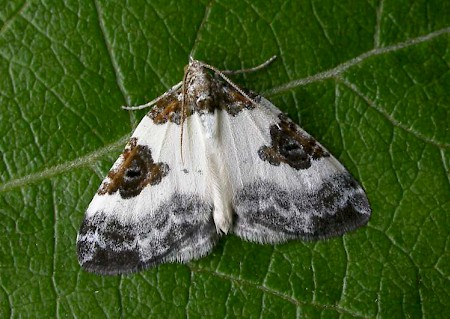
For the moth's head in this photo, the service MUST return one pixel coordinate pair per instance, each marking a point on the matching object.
(195, 67)
(197, 80)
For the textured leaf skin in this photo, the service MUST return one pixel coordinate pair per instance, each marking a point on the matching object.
(368, 79)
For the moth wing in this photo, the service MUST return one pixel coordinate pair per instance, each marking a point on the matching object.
(285, 184)
(150, 208)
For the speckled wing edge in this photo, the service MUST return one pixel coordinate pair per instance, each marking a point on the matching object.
(286, 185)
(150, 209)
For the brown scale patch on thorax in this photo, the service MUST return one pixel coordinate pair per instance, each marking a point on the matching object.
(291, 146)
(203, 96)
(136, 171)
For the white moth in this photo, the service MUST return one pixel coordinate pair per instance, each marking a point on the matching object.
(210, 159)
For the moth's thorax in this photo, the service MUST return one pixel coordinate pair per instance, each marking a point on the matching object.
(200, 88)
(201, 93)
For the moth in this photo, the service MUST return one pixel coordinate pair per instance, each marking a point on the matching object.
(211, 159)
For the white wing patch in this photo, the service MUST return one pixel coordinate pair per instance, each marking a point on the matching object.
(149, 213)
(293, 188)
(241, 167)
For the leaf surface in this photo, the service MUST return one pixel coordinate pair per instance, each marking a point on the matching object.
(370, 80)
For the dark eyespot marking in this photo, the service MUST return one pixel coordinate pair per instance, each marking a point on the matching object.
(136, 171)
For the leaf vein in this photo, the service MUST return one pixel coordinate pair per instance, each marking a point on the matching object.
(62, 168)
(377, 34)
(13, 17)
(392, 120)
(200, 28)
(273, 292)
(336, 71)
(109, 49)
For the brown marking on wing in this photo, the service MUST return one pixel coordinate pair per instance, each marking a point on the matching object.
(167, 109)
(291, 146)
(233, 102)
(136, 171)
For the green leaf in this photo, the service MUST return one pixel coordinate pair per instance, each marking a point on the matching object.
(370, 80)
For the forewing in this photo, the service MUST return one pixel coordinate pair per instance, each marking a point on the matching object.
(153, 206)
(285, 184)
